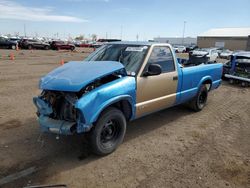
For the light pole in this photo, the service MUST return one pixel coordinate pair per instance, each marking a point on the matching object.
(24, 29)
(183, 34)
(121, 32)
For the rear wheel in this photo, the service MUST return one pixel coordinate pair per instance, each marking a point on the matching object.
(108, 132)
(46, 47)
(198, 103)
(13, 47)
(72, 48)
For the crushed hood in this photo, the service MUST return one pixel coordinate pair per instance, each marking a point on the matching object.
(73, 76)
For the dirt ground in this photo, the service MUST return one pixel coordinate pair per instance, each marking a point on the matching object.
(172, 148)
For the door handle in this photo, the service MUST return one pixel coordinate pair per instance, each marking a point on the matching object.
(175, 78)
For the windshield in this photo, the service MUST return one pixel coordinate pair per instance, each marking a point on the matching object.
(203, 50)
(131, 56)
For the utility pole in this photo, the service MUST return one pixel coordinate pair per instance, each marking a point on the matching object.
(121, 32)
(137, 37)
(24, 29)
(183, 34)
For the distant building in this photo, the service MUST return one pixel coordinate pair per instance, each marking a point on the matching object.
(177, 40)
(231, 38)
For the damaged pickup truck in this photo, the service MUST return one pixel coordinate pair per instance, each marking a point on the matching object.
(117, 83)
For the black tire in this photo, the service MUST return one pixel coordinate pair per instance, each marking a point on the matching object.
(199, 102)
(46, 47)
(30, 47)
(72, 48)
(108, 132)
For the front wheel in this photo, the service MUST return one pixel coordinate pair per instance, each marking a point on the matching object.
(198, 103)
(108, 132)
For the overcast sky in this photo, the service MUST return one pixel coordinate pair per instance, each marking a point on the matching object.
(126, 18)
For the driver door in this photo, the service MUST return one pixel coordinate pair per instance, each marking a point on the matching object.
(159, 91)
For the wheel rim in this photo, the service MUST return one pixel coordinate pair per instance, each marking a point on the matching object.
(110, 132)
(202, 99)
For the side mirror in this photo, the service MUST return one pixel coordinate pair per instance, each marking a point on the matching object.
(153, 69)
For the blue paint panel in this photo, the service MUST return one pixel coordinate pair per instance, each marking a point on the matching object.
(74, 76)
(192, 78)
(94, 102)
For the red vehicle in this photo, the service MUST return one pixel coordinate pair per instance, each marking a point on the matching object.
(62, 45)
(87, 45)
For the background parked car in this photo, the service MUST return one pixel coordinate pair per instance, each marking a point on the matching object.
(211, 53)
(179, 49)
(15, 39)
(191, 48)
(6, 43)
(87, 44)
(225, 54)
(33, 44)
(62, 45)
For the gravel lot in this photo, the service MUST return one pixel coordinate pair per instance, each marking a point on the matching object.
(172, 148)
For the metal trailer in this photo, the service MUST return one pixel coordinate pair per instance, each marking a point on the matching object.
(237, 79)
(239, 71)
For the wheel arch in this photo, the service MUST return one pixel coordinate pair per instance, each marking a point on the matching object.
(206, 81)
(123, 103)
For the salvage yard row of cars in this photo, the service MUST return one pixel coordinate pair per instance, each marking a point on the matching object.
(213, 53)
(33, 43)
(25, 43)
(28, 43)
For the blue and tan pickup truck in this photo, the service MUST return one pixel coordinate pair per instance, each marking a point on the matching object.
(118, 83)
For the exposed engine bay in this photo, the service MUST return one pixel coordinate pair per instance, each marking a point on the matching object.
(62, 103)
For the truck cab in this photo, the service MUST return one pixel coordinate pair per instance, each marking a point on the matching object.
(117, 83)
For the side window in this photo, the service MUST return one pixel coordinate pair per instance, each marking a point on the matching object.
(162, 56)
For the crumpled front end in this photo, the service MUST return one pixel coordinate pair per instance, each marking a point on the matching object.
(56, 112)
(69, 112)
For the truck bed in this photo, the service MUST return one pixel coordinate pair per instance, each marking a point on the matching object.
(192, 78)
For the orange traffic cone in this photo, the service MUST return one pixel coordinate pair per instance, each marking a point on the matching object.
(62, 62)
(12, 56)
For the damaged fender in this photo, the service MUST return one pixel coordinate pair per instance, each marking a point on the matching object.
(93, 103)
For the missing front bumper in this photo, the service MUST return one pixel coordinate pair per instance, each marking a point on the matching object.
(57, 126)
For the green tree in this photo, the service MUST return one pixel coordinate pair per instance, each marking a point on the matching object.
(81, 37)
